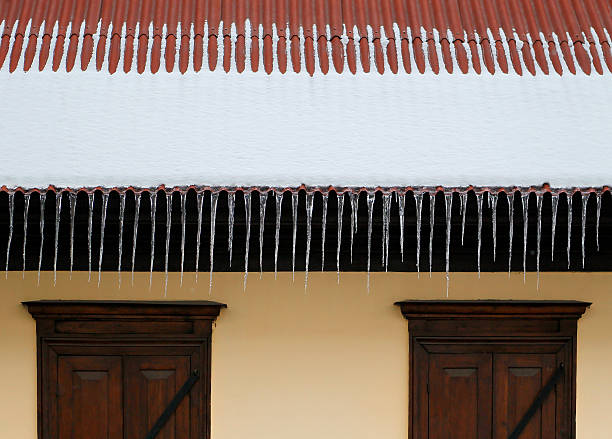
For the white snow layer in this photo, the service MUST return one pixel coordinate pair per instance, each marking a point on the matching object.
(86, 129)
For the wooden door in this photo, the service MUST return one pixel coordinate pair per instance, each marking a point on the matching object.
(108, 370)
(518, 378)
(151, 383)
(89, 397)
(476, 367)
(459, 396)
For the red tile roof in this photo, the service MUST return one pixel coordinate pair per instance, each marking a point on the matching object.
(387, 35)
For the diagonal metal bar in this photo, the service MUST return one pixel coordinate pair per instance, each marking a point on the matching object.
(537, 402)
(170, 409)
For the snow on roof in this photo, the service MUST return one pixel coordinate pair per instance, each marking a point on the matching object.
(449, 123)
(293, 35)
(87, 129)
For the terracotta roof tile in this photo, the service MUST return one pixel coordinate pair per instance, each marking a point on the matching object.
(385, 36)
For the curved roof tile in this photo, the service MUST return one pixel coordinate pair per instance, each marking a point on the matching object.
(524, 36)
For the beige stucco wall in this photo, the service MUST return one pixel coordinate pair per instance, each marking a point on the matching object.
(328, 363)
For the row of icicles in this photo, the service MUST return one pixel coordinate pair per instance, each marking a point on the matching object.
(351, 196)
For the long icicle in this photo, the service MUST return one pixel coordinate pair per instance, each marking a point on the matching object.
(153, 198)
(555, 205)
(26, 208)
(200, 201)
(324, 229)
(121, 222)
(231, 205)
(539, 205)
(263, 200)
(449, 215)
(10, 236)
(90, 202)
(278, 196)
(294, 206)
(135, 231)
(72, 197)
(569, 227)
(247, 209)
(371, 198)
(386, 221)
(58, 217)
(479, 203)
(105, 196)
(214, 198)
(42, 198)
(510, 198)
(493, 198)
(183, 226)
(525, 201)
(597, 218)
(463, 197)
(168, 231)
(354, 218)
(340, 200)
(309, 206)
(585, 200)
(432, 220)
(401, 199)
(418, 199)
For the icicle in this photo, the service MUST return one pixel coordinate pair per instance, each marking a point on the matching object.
(418, 199)
(371, 198)
(72, 197)
(10, 236)
(539, 204)
(26, 208)
(102, 227)
(598, 215)
(153, 198)
(449, 214)
(279, 205)
(493, 199)
(354, 222)
(463, 197)
(183, 224)
(168, 230)
(42, 198)
(263, 199)
(479, 203)
(58, 217)
(214, 198)
(585, 200)
(340, 200)
(135, 231)
(309, 205)
(200, 200)
(555, 205)
(231, 204)
(247, 208)
(510, 198)
(569, 227)
(294, 205)
(323, 230)
(401, 199)
(432, 218)
(121, 221)
(90, 197)
(525, 200)
(386, 220)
